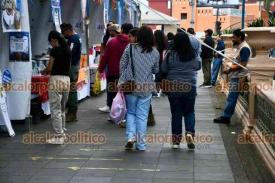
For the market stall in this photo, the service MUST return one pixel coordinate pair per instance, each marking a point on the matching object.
(100, 13)
(48, 16)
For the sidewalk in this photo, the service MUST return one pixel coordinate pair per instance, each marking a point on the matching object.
(110, 163)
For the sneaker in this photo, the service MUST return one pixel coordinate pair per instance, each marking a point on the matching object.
(190, 141)
(129, 145)
(56, 140)
(208, 86)
(205, 85)
(175, 146)
(122, 124)
(105, 109)
(222, 120)
(202, 85)
(154, 94)
(141, 150)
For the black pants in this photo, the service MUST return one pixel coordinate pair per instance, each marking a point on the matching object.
(111, 89)
(182, 105)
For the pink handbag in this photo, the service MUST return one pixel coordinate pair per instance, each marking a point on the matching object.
(118, 109)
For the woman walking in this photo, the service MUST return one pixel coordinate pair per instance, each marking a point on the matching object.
(181, 65)
(161, 44)
(59, 84)
(138, 63)
(133, 39)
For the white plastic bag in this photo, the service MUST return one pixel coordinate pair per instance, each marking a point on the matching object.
(118, 109)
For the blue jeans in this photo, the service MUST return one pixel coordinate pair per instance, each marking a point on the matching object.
(136, 119)
(232, 98)
(215, 70)
(182, 105)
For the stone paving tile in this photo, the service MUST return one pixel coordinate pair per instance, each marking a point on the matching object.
(207, 181)
(65, 164)
(3, 164)
(183, 175)
(14, 179)
(211, 157)
(211, 163)
(77, 179)
(47, 179)
(130, 180)
(18, 171)
(172, 181)
(135, 174)
(55, 172)
(95, 173)
(218, 176)
(26, 164)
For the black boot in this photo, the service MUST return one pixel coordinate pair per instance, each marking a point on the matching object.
(151, 118)
(222, 120)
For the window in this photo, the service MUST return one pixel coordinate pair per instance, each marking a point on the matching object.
(183, 16)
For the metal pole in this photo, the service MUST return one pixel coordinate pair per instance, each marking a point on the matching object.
(192, 21)
(243, 13)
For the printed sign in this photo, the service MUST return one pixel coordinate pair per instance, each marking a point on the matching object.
(56, 14)
(19, 46)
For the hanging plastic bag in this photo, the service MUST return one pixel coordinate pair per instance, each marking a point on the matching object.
(103, 82)
(97, 85)
(118, 109)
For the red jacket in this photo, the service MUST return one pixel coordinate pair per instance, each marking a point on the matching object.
(113, 52)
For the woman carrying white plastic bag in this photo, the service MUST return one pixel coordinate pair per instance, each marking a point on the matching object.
(138, 64)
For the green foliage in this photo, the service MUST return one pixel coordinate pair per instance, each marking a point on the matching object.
(228, 31)
(257, 23)
(271, 21)
(267, 4)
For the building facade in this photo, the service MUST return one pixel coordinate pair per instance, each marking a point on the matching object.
(205, 17)
(163, 6)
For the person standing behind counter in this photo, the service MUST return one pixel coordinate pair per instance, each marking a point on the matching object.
(75, 44)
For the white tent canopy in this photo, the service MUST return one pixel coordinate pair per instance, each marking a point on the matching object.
(155, 17)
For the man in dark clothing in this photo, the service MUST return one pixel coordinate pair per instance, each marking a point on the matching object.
(111, 59)
(74, 42)
(207, 56)
(217, 60)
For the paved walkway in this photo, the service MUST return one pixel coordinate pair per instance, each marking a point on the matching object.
(109, 163)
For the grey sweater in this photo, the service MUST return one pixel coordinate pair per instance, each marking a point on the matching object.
(182, 71)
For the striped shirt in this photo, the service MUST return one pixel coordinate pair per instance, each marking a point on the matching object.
(145, 65)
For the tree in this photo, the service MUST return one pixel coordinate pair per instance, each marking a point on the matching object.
(267, 4)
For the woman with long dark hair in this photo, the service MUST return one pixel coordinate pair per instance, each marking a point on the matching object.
(133, 35)
(181, 65)
(161, 44)
(59, 83)
(138, 63)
